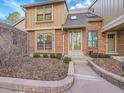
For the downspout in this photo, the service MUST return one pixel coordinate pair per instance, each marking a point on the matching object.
(63, 39)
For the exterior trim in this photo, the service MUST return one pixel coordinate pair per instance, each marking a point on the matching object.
(107, 42)
(43, 3)
(63, 43)
(113, 23)
(45, 28)
(74, 26)
(19, 22)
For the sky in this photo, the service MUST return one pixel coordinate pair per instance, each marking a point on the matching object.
(9, 6)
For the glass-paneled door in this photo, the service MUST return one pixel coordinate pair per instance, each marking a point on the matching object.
(75, 40)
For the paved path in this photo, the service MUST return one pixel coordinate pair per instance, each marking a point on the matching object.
(86, 81)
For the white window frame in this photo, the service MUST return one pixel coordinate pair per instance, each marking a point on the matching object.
(53, 41)
(43, 14)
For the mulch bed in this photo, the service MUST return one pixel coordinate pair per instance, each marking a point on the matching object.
(110, 65)
(36, 69)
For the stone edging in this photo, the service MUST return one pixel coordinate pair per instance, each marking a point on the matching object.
(37, 86)
(111, 77)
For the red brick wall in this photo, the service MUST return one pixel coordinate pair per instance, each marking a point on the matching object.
(84, 42)
(58, 41)
(95, 26)
(92, 26)
(31, 42)
(66, 42)
(120, 42)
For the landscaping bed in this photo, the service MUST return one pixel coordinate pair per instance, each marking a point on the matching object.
(108, 63)
(36, 69)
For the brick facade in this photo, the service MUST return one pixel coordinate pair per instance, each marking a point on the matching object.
(120, 42)
(95, 26)
(62, 39)
(59, 41)
(31, 42)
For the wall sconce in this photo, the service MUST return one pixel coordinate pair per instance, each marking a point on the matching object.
(103, 34)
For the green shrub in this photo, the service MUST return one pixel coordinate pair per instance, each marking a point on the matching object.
(66, 60)
(52, 55)
(45, 55)
(59, 55)
(36, 55)
(99, 55)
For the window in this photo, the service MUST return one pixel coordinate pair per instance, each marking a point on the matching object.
(44, 41)
(73, 17)
(44, 13)
(92, 40)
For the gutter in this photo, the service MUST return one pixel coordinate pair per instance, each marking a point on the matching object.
(93, 4)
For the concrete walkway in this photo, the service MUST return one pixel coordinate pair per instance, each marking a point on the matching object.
(86, 81)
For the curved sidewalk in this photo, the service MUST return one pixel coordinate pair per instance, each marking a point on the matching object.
(87, 81)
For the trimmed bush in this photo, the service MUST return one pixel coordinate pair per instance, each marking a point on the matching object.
(59, 55)
(45, 55)
(36, 55)
(66, 60)
(52, 55)
(99, 55)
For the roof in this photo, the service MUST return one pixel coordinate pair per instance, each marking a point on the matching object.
(43, 3)
(8, 27)
(81, 20)
(19, 22)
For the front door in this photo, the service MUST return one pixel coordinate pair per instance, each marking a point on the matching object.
(111, 42)
(75, 40)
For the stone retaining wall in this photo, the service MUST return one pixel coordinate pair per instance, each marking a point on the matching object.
(37, 86)
(113, 78)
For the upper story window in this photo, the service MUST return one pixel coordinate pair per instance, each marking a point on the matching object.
(92, 39)
(44, 13)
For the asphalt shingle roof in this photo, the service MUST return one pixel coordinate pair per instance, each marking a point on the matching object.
(81, 19)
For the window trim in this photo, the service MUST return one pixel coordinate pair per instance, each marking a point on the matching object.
(88, 40)
(53, 41)
(36, 21)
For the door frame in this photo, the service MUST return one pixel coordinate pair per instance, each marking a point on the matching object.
(69, 40)
(107, 42)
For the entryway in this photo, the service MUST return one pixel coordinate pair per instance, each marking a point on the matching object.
(111, 42)
(75, 40)
(75, 44)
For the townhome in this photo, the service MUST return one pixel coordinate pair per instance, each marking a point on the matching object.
(112, 11)
(53, 28)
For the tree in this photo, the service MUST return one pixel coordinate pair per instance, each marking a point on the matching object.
(13, 17)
